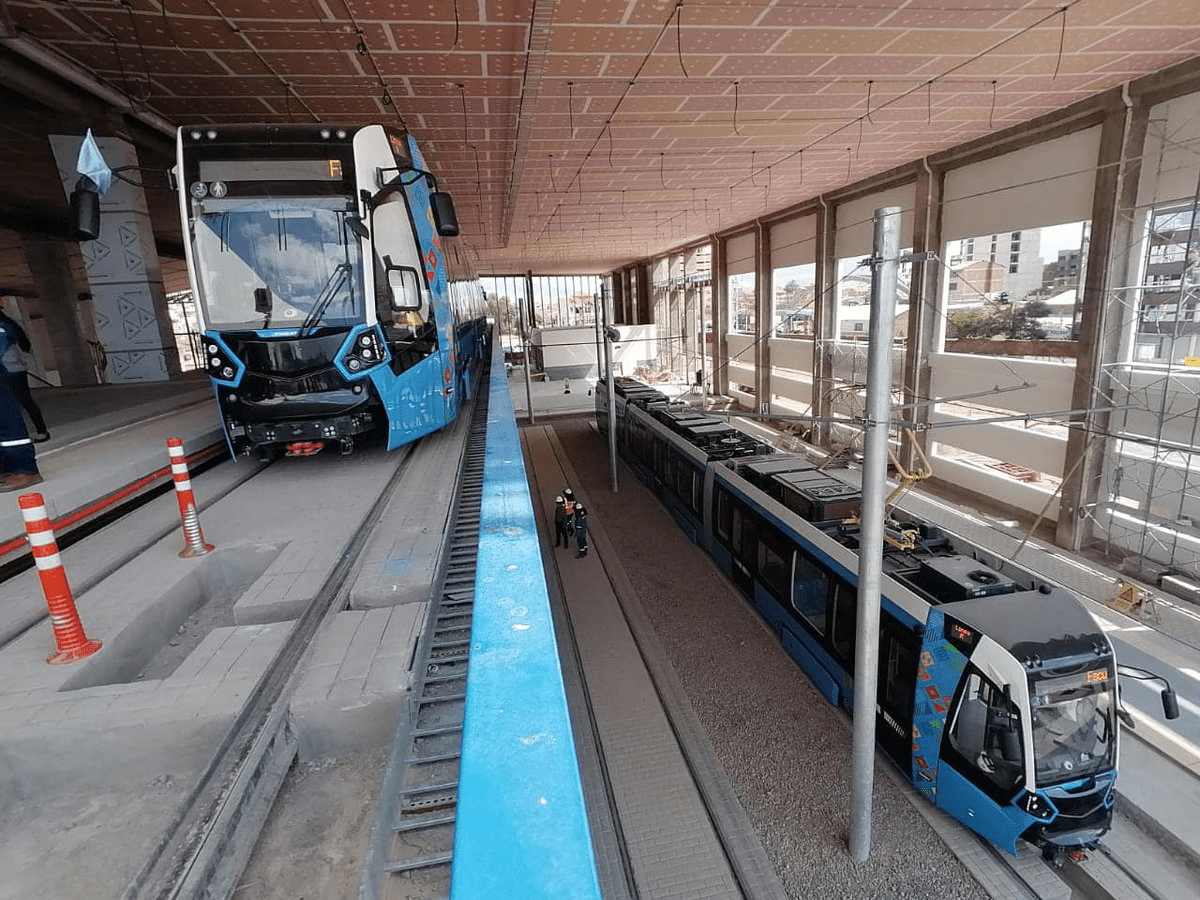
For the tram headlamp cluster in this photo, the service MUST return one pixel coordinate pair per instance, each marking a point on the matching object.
(1037, 806)
(364, 352)
(220, 365)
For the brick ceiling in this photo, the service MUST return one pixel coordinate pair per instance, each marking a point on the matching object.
(579, 135)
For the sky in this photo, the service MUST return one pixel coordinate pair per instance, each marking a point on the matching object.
(1060, 237)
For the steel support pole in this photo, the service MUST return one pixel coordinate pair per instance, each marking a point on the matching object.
(703, 349)
(525, 342)
(598, 329)
(885, 265)
(612, 397)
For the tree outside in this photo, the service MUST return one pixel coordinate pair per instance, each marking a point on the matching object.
(1012, 321)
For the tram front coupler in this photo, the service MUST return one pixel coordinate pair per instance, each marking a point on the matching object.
(1059, 856)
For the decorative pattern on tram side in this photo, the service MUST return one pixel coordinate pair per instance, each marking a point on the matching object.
(938, 676)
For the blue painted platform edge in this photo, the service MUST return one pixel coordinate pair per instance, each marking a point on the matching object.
(521, 826)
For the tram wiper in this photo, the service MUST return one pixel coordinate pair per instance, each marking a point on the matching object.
(336, 278)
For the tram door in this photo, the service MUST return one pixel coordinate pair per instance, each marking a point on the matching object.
(899, 650)
(983, 763)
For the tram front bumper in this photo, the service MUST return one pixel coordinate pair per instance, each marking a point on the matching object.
(258, 433)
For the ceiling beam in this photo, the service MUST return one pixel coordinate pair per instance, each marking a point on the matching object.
(536, 50)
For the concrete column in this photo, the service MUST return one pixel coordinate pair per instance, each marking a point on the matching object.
(924, 308)
(58, 321)
(720, 319)
(645, 310)
(764, 294)
(1107, 308)
(824, 320)
(618, 295)
(129, 305)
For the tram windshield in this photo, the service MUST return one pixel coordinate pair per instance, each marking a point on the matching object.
(1074, 733)
(270, 263)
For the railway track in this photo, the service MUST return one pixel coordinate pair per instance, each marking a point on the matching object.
(157, 517)
(205, 846)
(210, 815)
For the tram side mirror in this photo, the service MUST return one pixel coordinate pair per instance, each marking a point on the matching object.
(445, 219)
(85, 210)
(404, 283)
(1170, 704)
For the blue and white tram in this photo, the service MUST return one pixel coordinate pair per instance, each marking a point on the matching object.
(336, 301)
(997, 691)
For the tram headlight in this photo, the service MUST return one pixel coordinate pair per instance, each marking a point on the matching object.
(364, 352)
(1036, 805)
(220, 364)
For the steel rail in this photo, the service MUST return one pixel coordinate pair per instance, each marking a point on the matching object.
(126, 555)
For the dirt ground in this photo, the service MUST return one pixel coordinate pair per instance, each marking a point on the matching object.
(315, 843)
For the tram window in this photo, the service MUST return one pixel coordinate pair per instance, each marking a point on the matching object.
(645, 449)
(688, 479)
(723, 521)
(774, 561)
(898, 669)
(986, 733)
(810, 590)
(845, 617)
(742, 536)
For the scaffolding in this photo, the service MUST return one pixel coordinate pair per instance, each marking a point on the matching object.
(1146, 512)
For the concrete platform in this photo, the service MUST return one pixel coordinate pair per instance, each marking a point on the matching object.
(185, 640)
(106, 440)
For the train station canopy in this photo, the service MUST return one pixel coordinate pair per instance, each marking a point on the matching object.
(575, 135)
